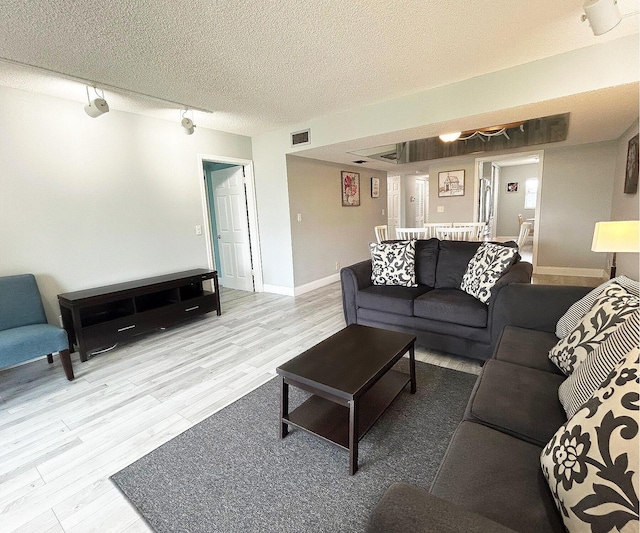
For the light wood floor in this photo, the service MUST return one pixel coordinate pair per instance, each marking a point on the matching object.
(60, 441)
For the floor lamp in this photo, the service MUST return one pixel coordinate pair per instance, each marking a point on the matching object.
(616, 236)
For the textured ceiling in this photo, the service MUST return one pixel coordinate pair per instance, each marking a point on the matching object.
(263, 65)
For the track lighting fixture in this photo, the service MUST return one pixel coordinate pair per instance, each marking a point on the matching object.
(603, 15)
(98, 106)
(187, 123)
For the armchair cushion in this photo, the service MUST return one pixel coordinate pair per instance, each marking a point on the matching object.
(28, 342)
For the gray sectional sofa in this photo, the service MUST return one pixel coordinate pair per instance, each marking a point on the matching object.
(442, 316)
(490, 479)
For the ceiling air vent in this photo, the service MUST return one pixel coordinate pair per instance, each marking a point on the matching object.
(301, 137)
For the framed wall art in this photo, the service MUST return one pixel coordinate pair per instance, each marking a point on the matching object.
(375, 187)
(631, 175)
(451, 183)
(350, 189)
(512, 186)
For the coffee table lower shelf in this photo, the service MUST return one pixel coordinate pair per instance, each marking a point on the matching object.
(330, 421)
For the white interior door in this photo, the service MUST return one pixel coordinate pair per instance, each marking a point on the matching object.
(393, 205)
(233, 228)
(421, 198)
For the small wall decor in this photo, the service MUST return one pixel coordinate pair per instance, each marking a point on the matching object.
(375, 187)
(631, 176)
(350, 189)
(512, 186)
(451, 183)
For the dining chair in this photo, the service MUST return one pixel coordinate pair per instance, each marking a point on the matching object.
(460, 233)
(406, 234)
(525, 229)
(478, 229)
(431, 227)
(381, 233)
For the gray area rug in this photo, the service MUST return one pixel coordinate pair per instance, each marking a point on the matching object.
(232, 473)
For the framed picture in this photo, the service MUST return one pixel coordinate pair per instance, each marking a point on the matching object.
(350, 189)
(631, 176)
(512, 186)
(375, 187)
(451, 183)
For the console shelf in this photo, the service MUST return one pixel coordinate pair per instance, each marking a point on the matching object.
(102, 316)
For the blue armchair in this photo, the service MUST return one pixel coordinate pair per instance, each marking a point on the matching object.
(24, 332)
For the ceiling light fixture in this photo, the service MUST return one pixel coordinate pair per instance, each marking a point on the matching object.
(603, 15)
(187, 123)
(482, 134)
(98, 106)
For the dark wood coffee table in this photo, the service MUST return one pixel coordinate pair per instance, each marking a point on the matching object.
(351, 381)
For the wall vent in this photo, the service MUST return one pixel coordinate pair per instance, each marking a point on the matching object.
(301, 137)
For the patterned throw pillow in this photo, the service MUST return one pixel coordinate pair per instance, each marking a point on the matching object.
(574, 314)
(610, 310)
(591, 463)
(585, 380)
(393, 263)
(485, 268)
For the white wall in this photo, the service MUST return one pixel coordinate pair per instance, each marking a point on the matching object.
(511, 204)
(328, 232)
(87, 202)
(625, 206)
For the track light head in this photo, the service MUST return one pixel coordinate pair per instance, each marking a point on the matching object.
(187, 124)
(603, 15)
(97, 107)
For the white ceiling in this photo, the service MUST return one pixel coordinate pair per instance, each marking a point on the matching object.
(261, 66)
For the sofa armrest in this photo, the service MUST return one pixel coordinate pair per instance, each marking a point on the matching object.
(520, 272)
(532, 306)
(353, 278)
(405, 508)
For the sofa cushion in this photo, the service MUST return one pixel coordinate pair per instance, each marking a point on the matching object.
(393, 263)
(499, 477)
(527, 347)
(587, 378)
(574, 314)
(393, 299)
(453, 258)
(591, 462)
(612, 307)
(426, 261)
(451, 305)
(517, 400)
(485, 269)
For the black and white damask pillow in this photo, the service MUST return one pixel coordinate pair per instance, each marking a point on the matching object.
(591, 373)
(591, 463)
(574, 314)
(393, 263)
(485, 268)
(614, 305)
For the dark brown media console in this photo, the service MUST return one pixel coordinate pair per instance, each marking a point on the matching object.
(100, 317)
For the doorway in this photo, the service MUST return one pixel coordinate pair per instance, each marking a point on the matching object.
(230, 215)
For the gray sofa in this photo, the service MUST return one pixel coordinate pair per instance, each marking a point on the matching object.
(490, 478)
(437, 312)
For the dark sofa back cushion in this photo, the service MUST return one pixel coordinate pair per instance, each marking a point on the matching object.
(426, 261)
(453, 258)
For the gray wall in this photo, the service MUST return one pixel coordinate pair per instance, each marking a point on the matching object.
(86, 202)
(625, 206)
(511, 204)
(576, 191)
(330, 233)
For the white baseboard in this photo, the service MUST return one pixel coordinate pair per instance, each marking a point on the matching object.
(317, 284)
(277, 289)
(570, 271)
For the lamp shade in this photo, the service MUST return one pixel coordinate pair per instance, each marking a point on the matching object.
(617, 236)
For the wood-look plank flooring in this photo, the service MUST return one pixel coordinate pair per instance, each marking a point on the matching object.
(60, 441)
